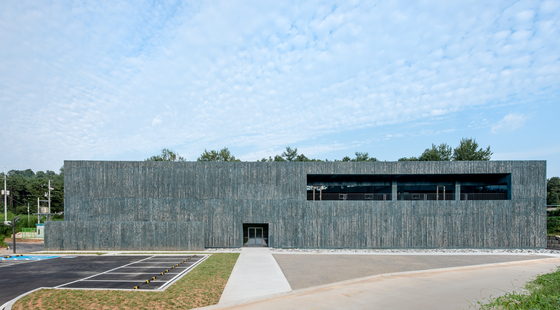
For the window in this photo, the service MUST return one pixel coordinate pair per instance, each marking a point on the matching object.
(408, 187)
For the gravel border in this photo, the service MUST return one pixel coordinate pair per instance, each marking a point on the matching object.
(417, 251)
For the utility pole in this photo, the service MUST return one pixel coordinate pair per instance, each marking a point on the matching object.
(5, 192)
(50, 188)
(48, 195)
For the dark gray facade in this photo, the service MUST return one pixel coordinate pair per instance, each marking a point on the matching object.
(221, 197)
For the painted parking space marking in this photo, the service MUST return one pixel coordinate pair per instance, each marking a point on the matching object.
(26, 257)
(145, 276)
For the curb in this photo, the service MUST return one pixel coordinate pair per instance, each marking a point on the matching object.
(9, 304)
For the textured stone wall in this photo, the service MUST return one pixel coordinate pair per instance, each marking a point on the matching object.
(141, 236)
(553, 242)
(223, 196)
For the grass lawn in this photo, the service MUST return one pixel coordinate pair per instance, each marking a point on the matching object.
(541, 293)
(203, 286)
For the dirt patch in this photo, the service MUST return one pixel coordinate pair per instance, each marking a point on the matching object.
(24, 240)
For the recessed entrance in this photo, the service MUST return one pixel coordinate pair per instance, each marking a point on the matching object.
(255, 235)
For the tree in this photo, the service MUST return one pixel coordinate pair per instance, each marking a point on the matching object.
(553, 191)
(360, 156)
(468, 150)
(290, 154)
(302, 157)
(408, 158)
(439, 153)
(223, 155)
(166, 155)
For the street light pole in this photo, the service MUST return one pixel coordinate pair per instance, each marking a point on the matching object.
(14, 221)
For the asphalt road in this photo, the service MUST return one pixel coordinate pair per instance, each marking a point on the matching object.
(26, 276)
(307, 270)
(27, 247)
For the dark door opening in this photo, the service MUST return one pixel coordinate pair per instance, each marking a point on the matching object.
(255, 235)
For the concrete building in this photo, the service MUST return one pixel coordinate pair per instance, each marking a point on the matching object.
(112, 205)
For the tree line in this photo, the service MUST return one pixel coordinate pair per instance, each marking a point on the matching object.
(468, 149)
(25, 186)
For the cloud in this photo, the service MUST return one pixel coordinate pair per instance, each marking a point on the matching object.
(156, 120)
(509, 123)
(260, 76)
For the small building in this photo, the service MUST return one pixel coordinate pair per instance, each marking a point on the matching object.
(40, 230)
(113, 205)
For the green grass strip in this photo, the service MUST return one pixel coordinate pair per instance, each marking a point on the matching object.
(541, 293)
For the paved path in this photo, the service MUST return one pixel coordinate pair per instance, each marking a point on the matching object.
(26, 247)
(449, 288)
(308, 270)
(255, 274)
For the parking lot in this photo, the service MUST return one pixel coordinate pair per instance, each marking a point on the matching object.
(151, 273)
(124, 272)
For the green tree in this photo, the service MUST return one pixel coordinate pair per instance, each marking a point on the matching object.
(166, 155)
(468, 150)
(360, 157)
(301, 157)
(25, 187)
(553, 191)
(290, 154)
(437, 153)
(221, 155)
(408, 159)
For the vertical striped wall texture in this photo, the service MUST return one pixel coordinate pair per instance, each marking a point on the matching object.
(225, 195)
(92, 235)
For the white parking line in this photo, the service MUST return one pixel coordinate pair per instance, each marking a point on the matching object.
(134, 281)
(103, 272)
(130, 273)
(164, 267)
(176, 276)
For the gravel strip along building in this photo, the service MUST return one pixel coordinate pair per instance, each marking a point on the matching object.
(113, 205)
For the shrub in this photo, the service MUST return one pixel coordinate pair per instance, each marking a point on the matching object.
(3, 244)
(553, 225)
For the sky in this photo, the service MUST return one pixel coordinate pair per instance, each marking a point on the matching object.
(116, 80)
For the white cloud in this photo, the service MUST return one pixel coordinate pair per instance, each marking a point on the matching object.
(259, 76)
(509, 123)
(156, 120)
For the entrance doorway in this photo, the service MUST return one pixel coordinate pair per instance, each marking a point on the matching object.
(255, 235)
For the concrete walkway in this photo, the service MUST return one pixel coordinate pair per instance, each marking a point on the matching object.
(255, 274)
(449, 288)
